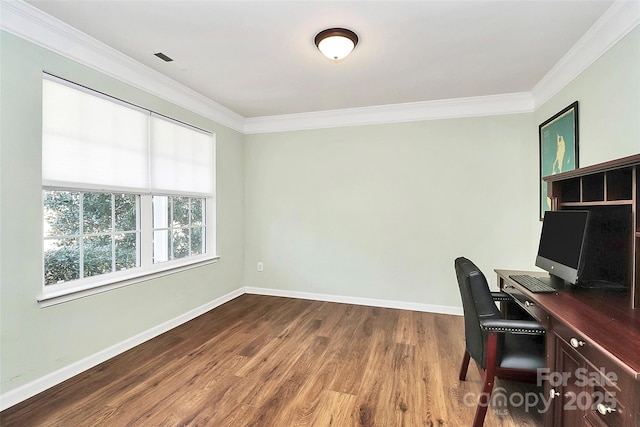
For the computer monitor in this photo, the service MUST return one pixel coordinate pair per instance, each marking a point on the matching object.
(562, 243)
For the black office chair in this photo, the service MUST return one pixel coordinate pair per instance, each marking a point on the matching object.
(509, 349)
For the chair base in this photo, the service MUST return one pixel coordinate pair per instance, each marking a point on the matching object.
(465, 366)
(489, 376)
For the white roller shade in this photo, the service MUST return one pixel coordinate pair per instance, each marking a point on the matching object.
(90, 141)
(93, 141)
(182, 158)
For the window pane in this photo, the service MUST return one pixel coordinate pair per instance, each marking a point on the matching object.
(197, 211)
(178, 215)
(180, 211)
(180, 243)
(125, 212)
(96, 209)
(161, 246)
(126, 252)
(197, 240)
(61, 261)
(97, 255)
(61, 213)
(160, 211)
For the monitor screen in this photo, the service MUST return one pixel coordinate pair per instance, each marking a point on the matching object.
(561, 243)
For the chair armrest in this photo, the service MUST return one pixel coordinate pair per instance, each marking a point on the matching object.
(509, 326)
(501, 296)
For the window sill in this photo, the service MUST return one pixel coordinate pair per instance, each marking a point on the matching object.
(53, 297)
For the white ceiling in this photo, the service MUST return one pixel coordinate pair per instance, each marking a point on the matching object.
(257, 58)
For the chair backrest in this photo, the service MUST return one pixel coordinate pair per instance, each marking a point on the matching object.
(477, 304)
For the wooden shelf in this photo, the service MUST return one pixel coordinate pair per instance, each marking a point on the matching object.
(598, 203)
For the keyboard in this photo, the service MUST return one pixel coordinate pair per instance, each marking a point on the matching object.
(533, 284)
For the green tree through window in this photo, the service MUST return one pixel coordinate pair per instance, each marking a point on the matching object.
(178, 227)
(88, 234)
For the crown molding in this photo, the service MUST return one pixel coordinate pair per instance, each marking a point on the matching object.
(622, 17)
(30, 23)
(395, 113)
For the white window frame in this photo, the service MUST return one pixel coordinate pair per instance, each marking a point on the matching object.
(57, 293)
(169, 227)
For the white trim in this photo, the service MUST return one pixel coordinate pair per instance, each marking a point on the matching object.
(53, 185)
(28, 390)
(30, 23)
(622, 17)
(53, 294)
(401, 305)
(415, 111)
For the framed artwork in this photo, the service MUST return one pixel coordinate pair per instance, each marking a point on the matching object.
(558, 148)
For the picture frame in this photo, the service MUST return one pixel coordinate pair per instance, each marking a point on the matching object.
(558, 138)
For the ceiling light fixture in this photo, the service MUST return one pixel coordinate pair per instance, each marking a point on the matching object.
(336, 43)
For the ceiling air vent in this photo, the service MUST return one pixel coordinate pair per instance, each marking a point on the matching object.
(162, 56)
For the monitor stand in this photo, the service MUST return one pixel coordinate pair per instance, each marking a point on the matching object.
(555, 282)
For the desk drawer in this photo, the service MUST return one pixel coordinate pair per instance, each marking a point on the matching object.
(526, 303)
(606, 410)
(607, 382)
(594, 357)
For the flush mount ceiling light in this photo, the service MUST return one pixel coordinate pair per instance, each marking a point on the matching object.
(336, 43)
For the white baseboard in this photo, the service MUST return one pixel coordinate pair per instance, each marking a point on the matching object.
(39, 385)
(24, 392)
(402, 305)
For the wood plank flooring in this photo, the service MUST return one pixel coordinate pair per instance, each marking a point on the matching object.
(270, 361)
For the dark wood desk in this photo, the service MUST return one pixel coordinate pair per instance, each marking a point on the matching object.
(593, 337)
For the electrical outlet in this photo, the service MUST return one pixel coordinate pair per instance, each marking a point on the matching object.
(260, 266)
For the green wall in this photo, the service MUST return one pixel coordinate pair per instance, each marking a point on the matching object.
(608, 93)
(38, 341)
(381, 211)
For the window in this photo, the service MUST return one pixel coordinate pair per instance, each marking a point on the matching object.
(178, 227)
(126, 192)
(88, 234)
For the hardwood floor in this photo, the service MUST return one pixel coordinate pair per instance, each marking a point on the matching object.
(270, 361)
